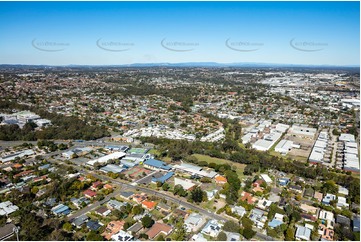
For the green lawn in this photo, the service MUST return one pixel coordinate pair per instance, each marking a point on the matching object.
(240, 167)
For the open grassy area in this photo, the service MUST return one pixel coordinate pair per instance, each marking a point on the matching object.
(239, 167)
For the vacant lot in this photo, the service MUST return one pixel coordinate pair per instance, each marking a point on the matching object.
(239, 167)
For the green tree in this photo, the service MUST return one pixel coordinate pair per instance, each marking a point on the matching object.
(179, 190)
(147, 221)
(180, 232)
(290, 234)
(248, 233)
(165, 186)
(198, 195)
(222, 236)
(330, 187)
(94, 236)
(67, 226)
(231, 226)
(137, 209)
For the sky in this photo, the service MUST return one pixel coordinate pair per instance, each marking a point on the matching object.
(115, 33)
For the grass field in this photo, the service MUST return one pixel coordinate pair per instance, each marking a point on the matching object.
(239, 167)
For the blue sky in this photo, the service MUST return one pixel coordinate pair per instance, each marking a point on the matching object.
(94, 33)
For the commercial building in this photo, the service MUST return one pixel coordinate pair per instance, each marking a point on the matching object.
(112, 168)
(267, 142)
(156, 164)
(164, 178)
(104, 159)
(194, 170)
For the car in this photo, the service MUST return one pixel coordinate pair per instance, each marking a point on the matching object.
(183, 208)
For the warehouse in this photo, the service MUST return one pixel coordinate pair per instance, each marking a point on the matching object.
(284, 146)
(267, 142)
(112, 168)
(195, 170)
(156, 164)
(104, 159)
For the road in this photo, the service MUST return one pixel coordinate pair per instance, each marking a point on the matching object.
(126, 186)
(160, 194)
(93, 206)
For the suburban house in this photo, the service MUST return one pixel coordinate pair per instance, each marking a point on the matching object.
(318, 196)
(193, 221)
(112, 228)
(157, 229)
(93, 225)
(258, 217)
(245, 196)
(266, 178)
(220, 179)
(126, 195)
(61, 209)
(303, 233)
(139, 198)
(89, 193)
(276, 221)
(328, 198)
(326, 233)
(122, 236)
(103, 211)
(7, 208)
(79, 221)
(135, 228)
(264, 204)
(327, 217)
(79, 202)
(212, 228)
(150, 205)
(114, 204)
(96, 185)
(239, 210)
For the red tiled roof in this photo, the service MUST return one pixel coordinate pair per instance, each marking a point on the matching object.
(158, 228)
(149, 204)
(90, 193)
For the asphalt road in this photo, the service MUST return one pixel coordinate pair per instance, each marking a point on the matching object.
(93, 206)
(127, 186)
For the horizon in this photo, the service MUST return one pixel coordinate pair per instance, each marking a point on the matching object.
(191, 64)
(128, 33)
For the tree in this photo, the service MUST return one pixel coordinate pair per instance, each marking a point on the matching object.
(94, 236)
(147, 221)
(179, 190)
(248, 233)
(34, 189)
(222, 236)
(198, 195)
(137, 210)
(67, 226)
(165, 186)
(180, 232)
(329, 187)
(290, 234)
(206, 180)
(143, 236)
(160, 238)
(231, 226)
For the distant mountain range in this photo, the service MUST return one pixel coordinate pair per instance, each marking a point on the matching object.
(189, 64)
